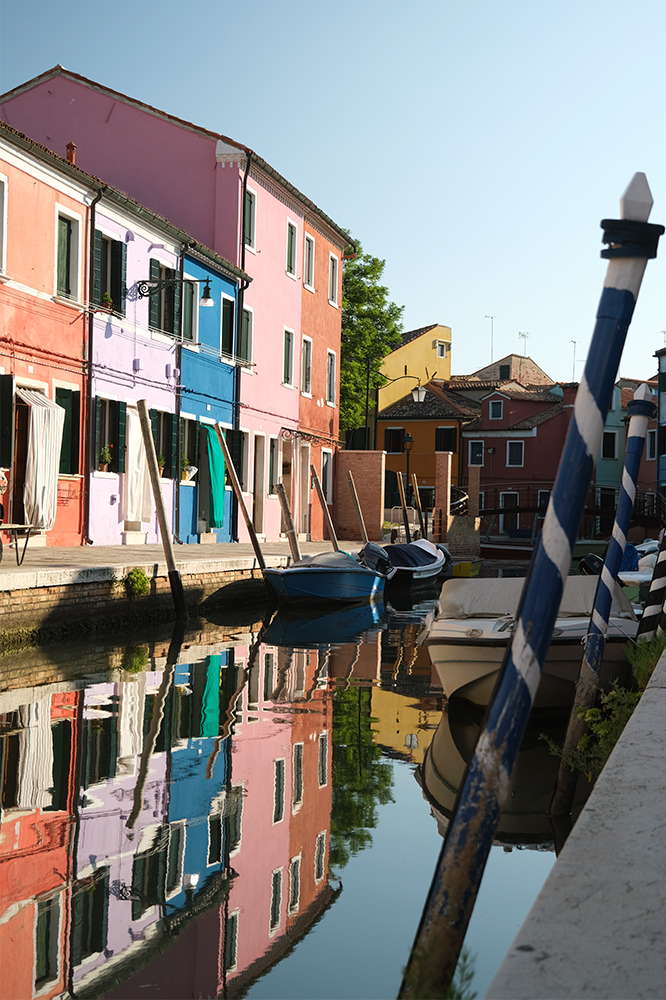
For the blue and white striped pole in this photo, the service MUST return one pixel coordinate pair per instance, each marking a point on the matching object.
(641, 409)
(465, 851)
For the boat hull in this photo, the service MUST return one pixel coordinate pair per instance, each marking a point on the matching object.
(314, 584)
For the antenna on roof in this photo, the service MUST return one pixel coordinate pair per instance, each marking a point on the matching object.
(524, 336)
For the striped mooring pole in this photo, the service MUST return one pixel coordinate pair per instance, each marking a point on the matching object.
(655, 605)
(439, 939)
(641, 409)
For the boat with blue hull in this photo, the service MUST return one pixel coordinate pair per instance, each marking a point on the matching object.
(314, 628)
(327, 576)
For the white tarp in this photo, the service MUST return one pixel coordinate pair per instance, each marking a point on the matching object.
(137, 493)
(494, 598)
(45, 426)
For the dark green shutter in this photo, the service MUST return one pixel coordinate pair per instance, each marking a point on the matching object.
(243, 351)
(64, 399)
(118, 275)
(248, 221)
(122, 424)
(6, 421)
(176, 305)
(173, 470)
(153, 425)
(235, 444)
(64, 255)
(227, 326)
(98, 430)
(188, 309)
(154, 299)
(97, 268)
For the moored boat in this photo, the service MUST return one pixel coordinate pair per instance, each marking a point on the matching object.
(327, 576)
(406, 564)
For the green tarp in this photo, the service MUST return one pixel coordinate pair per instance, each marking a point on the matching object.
(216, 463)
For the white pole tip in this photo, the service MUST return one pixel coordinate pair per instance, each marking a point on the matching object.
(643, 392)
(636, 202)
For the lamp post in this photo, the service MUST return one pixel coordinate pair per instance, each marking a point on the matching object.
(152, 286)
(407, 445)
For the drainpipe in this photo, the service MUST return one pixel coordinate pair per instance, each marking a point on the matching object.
(179, 361)
(90, 430)
(239, 320)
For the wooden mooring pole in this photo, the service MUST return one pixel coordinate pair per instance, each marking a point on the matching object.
(325, 510)
(439, 939)
(240, 498)
(403, 504)
(289, 523)
(359, 512)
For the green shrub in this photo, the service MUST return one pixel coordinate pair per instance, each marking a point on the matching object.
(644, 656)
(136, 583)
(134, 659)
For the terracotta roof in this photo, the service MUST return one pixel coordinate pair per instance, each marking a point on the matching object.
(535, 394)
(59, 70)
(522, 425)
(439, 404)
(118, 197)
(410, 335)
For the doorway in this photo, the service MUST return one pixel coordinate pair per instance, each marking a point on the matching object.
(259, 483)
(508, 522)
(305, 489)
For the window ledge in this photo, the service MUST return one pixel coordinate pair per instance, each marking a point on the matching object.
(97, 474)
(290, 275)
(62, 300)
(332, 405)
(308, 288)
(332, 303)
(288, 385)
(308, 395)
(162, 336)
(191, 347)
(187, 482)
(4, 277)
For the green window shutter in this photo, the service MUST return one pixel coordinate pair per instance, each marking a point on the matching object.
(249, 217)
(227, 326)
(153, 425)
(235, 443)
(76, 431)
(176, 306)
(64, 399)
(64, 255)
(118, 275)
(122, 424)
(98, 429)
(97, 268)
(154, 299)
(244, 337)
(6, 421)
(173, 470)
(188, 309)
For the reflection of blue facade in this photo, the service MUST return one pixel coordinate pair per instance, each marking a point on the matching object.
(199, 799)
(208, 395)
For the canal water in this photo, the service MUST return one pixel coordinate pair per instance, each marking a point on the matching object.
(243, 813)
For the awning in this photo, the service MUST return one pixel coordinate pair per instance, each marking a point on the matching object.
(40, 492)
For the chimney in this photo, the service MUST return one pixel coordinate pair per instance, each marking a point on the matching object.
(71, 152)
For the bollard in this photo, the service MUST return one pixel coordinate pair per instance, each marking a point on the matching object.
(472, 828)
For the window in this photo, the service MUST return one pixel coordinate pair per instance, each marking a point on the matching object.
(514, 453)
(244, 351)
(273, 465)
(320, 855)
(227, 342)
(276, 899)
(110, 423)
(231, 942)
(47, 933)
(441, 348)
(288, 364)
(297, 776)
(269, 668)
(109, 271)
(323, 759)
(291, 249)
(90, 905)
(189, 448)
(651, 445)
(238, 444)
(508, 522)
(174, 862)
(278, 792)
(163, 426)
(609, 445)
(330, 378)
(70, 401)
(333, 280)
(496, 409)
(233, 815)
(542, 500)
(327, 475)
(505, 371)
(67, 270)
(446, 439)
(250, 221)
(3, 223)
(306, 367)
(308, 263)
(294, 884)
(475, 453)
(190, 311)
(164, 307)
(393, 438)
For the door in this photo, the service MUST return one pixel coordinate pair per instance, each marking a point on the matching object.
(259, 483)
(305, 489)
(508, 522)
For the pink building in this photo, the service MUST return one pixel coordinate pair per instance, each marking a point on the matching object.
(229, 198)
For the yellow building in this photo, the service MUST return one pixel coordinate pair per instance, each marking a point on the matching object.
(422, 354)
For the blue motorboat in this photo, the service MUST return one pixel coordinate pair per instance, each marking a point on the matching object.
(308, 628)
(327, 576)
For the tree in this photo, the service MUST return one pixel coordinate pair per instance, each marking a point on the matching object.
(371, 327)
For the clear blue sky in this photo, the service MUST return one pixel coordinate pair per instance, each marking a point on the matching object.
(475, 146)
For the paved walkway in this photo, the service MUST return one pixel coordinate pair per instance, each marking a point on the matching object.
(597, 927)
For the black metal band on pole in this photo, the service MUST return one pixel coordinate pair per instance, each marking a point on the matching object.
(177, 592)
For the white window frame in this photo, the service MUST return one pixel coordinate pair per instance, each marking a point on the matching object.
(4, 190)
(250, 336)
(274, 452)
(333, 271)
(294, 866)
(181, 857)
(331, 358)
(496, 402)
(651, 445)
(327, 482)
(274, 928)
(294, 263)
(515, 465)
(296, 803)
(607, 458)
(279, 760)
(441, 348)
(292, 334)
(252, 246)
(322, 741)
(234, 916)
(469, 452)
(306, 384)
(320, 845)
(308, 241)
(75, 260)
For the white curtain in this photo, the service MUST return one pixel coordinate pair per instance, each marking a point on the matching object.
(137, 494)
(35, 777)
(45, 426)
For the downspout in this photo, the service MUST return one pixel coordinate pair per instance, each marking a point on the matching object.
(239, 326)
(179, 360)
(90, 430)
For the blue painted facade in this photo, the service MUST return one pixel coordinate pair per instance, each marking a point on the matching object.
(609, 470)
(208, 381)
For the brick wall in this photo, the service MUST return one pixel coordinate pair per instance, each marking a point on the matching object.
(463, 536)
(367, 468)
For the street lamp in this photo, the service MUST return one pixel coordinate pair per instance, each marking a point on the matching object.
(407, 445)
(152, 286)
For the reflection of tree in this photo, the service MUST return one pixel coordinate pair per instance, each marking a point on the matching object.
(361, 780)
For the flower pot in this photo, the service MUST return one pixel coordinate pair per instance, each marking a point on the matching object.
(103, 466)
(161, 470)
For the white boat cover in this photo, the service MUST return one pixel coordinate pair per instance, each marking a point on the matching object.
(464, 598)
(137, 494)
(45, 426)
(329, 560)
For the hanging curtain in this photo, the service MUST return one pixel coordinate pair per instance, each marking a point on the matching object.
(137, 494)
(45, 426)
(216, 464)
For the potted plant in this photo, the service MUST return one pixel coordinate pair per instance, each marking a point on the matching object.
(184, 466)
(107, 301)
(161, 462)
(104, 457)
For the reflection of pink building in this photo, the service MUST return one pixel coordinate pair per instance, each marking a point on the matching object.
(287, 349)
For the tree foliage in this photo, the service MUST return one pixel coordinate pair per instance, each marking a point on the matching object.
(361, 780)
(371, 327)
